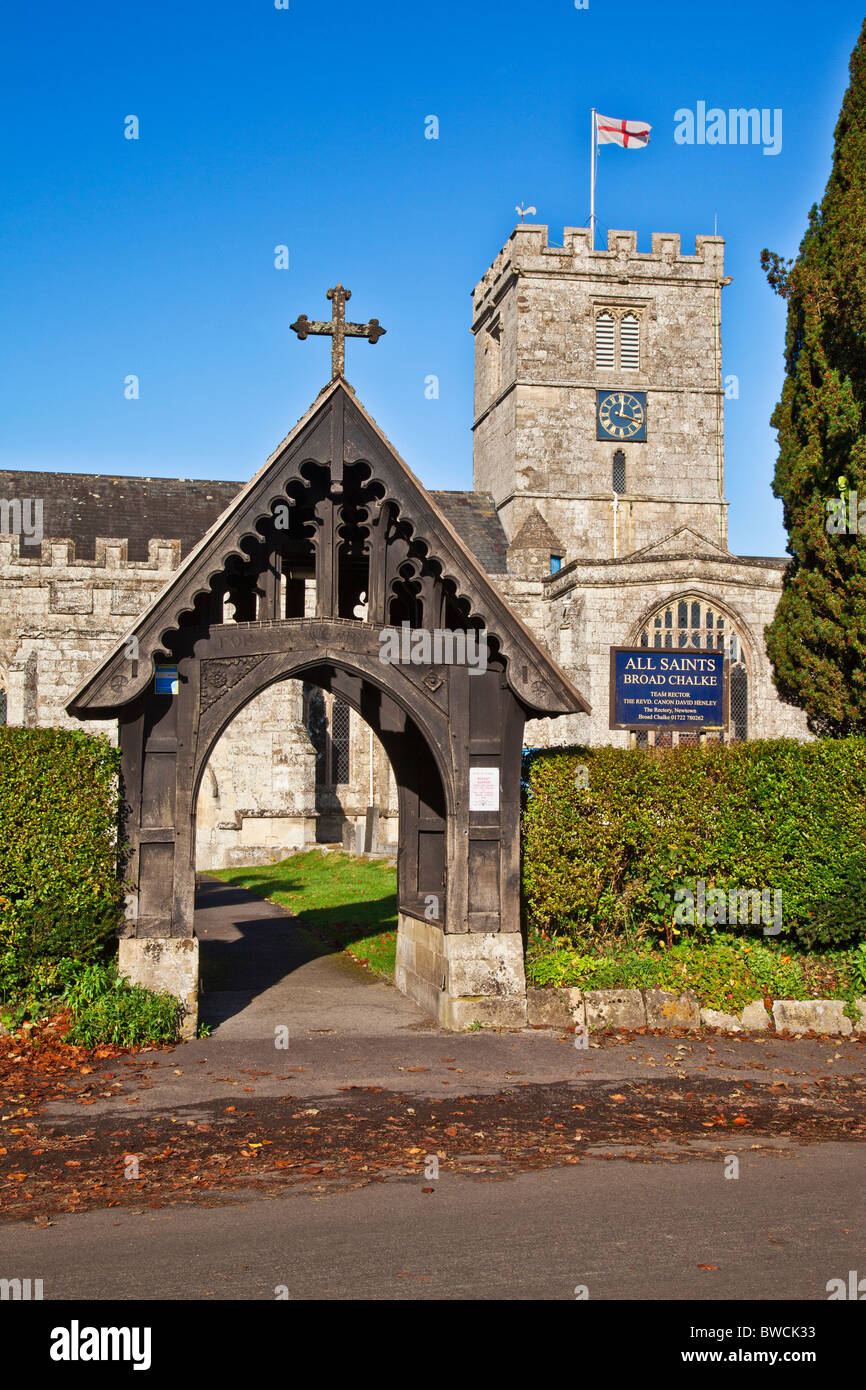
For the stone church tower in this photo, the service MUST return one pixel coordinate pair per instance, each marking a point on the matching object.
(599, 434)
(555, 328)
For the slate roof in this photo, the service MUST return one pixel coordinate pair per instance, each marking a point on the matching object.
(476, 520)
(82, 506)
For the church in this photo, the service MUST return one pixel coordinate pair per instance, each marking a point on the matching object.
(597, 511)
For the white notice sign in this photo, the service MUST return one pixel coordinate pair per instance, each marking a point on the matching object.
(484, 788)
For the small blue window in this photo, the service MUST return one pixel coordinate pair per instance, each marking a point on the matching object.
(555, 564)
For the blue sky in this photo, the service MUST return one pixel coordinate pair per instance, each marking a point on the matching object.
(305, 127)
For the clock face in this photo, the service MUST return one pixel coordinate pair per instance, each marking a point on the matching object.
(622, 415)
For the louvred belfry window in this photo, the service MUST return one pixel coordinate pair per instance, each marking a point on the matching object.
(629, 344)
(605, 341)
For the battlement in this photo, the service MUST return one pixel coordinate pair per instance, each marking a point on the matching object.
(110, 554)
(528, 249)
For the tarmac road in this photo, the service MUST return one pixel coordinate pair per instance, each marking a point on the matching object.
(564, 1207)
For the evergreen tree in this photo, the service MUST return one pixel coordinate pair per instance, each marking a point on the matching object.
(817, 640)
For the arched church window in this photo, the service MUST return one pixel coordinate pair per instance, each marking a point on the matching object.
(340, 740)
(329, 727)
(605, 342)
(619, 471)
(2, 704)
(317, 728)
(696, 623)
(629, 343)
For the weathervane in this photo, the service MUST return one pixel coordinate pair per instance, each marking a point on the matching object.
(338, 329)
(524, 211)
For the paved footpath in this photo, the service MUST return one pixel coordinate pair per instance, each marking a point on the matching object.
(558, 1166)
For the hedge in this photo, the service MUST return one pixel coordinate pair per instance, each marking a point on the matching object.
(607, 858)
(59, 806)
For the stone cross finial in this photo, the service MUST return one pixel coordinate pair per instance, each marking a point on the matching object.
(338, 329)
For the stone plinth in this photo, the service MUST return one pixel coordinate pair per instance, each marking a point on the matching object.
(164, 963)
(462, 979)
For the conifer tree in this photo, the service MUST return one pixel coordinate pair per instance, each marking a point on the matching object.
(817, 640)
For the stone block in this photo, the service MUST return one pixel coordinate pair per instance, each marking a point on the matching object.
(460, 1014)
(371, 830)
(486, 963)
(614, 1008)
(811, 1016)
(754, 1017)
(714, 1018)
(667, 1010)
(549, 1008)
(164, 963)
(860, 1025)
(462, 979)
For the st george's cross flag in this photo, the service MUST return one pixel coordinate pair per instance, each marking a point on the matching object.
(632, 135)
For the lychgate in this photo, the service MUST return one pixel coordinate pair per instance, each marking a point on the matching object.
(332, 542)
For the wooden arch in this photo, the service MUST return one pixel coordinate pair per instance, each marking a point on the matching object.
(337, 516)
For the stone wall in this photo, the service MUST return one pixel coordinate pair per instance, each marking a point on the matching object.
(258, 798)
(587, 608)
(60, 616)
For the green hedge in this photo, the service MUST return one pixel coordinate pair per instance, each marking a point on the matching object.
(59, 804)
(775, 814)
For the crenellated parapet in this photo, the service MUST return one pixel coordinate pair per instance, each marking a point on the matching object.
(528, 249)
(110, 553)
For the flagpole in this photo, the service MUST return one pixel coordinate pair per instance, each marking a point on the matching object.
(592, 183)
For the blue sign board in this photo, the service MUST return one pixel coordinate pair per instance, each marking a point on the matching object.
(668, 688)
(166, 680)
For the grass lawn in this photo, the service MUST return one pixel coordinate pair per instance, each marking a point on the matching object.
(350, 904)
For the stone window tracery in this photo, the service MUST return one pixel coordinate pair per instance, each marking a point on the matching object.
(698, 623)
(329, 725)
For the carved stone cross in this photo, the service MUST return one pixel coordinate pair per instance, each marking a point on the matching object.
(338, 329)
